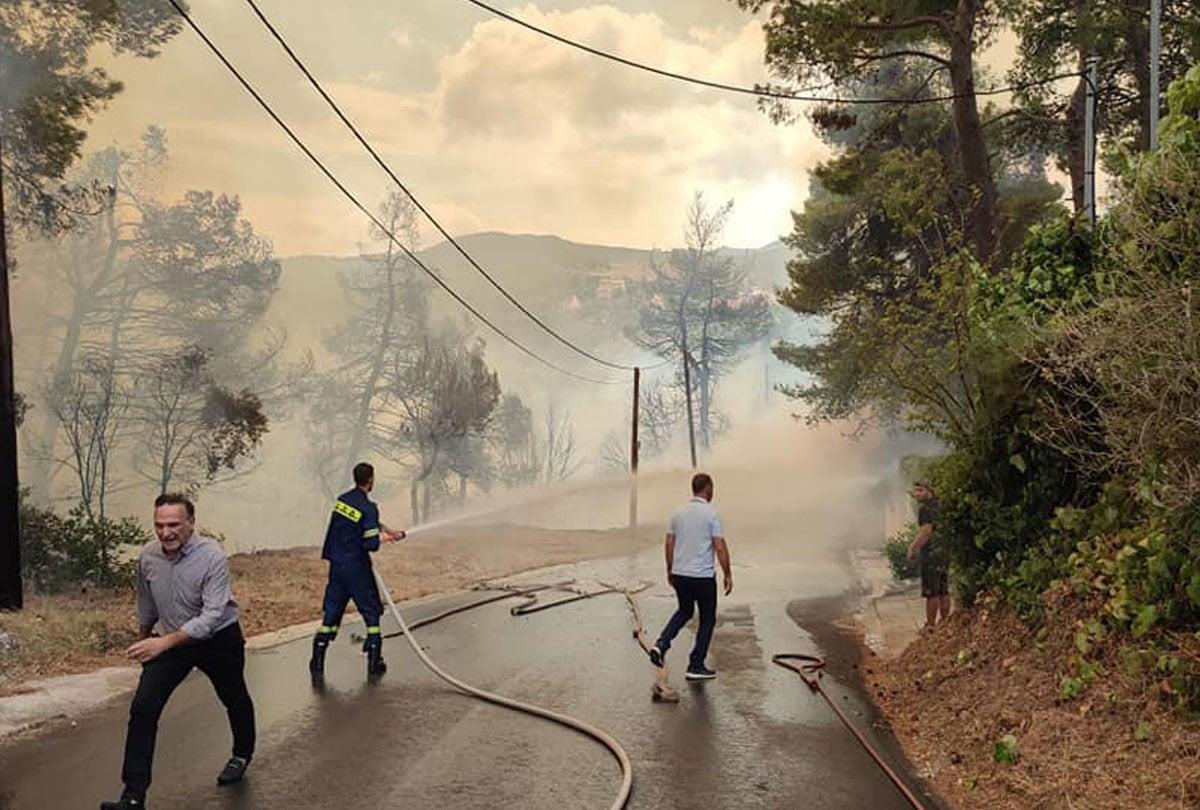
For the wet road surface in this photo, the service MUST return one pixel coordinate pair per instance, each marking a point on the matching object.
(753, 738)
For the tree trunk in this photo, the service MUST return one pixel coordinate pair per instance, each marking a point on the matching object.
(358, 438)
(981, 226)
(687, 387)
(82, 304)
(413, 506)
(1137, 35)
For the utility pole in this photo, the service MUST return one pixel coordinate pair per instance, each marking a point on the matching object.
(1089, 142)
(1155, 56)
(11, 592)
(687, 387)
(633, 453)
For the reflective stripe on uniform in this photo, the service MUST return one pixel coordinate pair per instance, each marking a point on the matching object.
(370, 533)
(347, 511)
(372, 631)
(328, 629)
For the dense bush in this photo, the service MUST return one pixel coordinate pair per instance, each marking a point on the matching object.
(896, 552)
(1081, 477)
(60, 553)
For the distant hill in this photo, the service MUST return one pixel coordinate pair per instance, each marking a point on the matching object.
(540, 271)
(529, 266)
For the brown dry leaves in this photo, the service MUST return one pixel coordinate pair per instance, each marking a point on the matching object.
(948, 707)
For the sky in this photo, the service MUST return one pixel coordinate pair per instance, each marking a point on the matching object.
(492, 126)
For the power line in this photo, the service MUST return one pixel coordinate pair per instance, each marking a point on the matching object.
(375, 220)
(761, 92)
(428, 215)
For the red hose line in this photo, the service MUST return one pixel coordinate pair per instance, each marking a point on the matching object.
(809, 670)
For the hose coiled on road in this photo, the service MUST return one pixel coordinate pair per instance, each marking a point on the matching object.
(601, 736)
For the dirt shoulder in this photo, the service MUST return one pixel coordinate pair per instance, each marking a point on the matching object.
(81, 632)
(950, 695)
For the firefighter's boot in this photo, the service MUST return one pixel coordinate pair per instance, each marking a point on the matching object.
(375, 664)
(316, 664)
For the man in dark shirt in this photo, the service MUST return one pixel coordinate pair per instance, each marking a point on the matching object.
(183, 588)
(933, 559)
(354, 531)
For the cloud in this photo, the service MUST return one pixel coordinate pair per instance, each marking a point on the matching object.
(401, 37)
(505, 130)
(620, 149)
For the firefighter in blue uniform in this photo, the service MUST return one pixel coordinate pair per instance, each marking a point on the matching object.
(354, 531)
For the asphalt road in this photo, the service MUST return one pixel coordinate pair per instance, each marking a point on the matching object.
(753, 738)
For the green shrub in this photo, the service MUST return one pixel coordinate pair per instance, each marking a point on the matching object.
(896, 551)
(60, 553)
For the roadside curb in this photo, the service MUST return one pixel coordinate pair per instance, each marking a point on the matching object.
(65, 697)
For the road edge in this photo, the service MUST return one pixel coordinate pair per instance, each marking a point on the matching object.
(46, 702)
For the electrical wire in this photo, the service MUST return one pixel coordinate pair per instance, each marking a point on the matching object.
(379, 161)
(375, 220)
(761, 92)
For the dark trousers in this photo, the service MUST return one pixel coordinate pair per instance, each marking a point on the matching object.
(692, 591)
(348, 582)
(222, 658)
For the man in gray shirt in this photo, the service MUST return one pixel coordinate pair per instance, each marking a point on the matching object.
(696, 536)
(183, 587)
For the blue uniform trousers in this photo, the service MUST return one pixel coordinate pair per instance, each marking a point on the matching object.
(351, 581)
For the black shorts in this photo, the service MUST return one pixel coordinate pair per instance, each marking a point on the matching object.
(935, 578)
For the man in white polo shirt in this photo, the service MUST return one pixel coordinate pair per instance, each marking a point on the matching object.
(695, 537)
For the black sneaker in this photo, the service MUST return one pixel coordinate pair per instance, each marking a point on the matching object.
(656, 657)
(124, 803)
(234, 771)
(701, 673)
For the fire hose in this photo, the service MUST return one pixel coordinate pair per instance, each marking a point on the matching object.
(810, 669)
(595, 733)
(358, 638)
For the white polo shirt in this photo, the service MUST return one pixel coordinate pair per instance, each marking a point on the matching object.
(694, 525)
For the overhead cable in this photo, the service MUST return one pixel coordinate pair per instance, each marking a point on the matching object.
(329, 175)
(761, 92)
(421, 207)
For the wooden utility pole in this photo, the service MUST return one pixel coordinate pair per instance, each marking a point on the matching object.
(11, 591)
(1089, 143)
(633, 452)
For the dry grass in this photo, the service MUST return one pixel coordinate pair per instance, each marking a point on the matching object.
(983, 675)
(68, 633)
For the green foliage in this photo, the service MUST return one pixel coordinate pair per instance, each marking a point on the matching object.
(1063, 372)
(20, 407)
(1147, 573)
(999, 494)
(61, 553)
(1083, 673)
(1181, 129)
(1004, 750)
(50, 91)
(896, 551)
(1052, 270)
